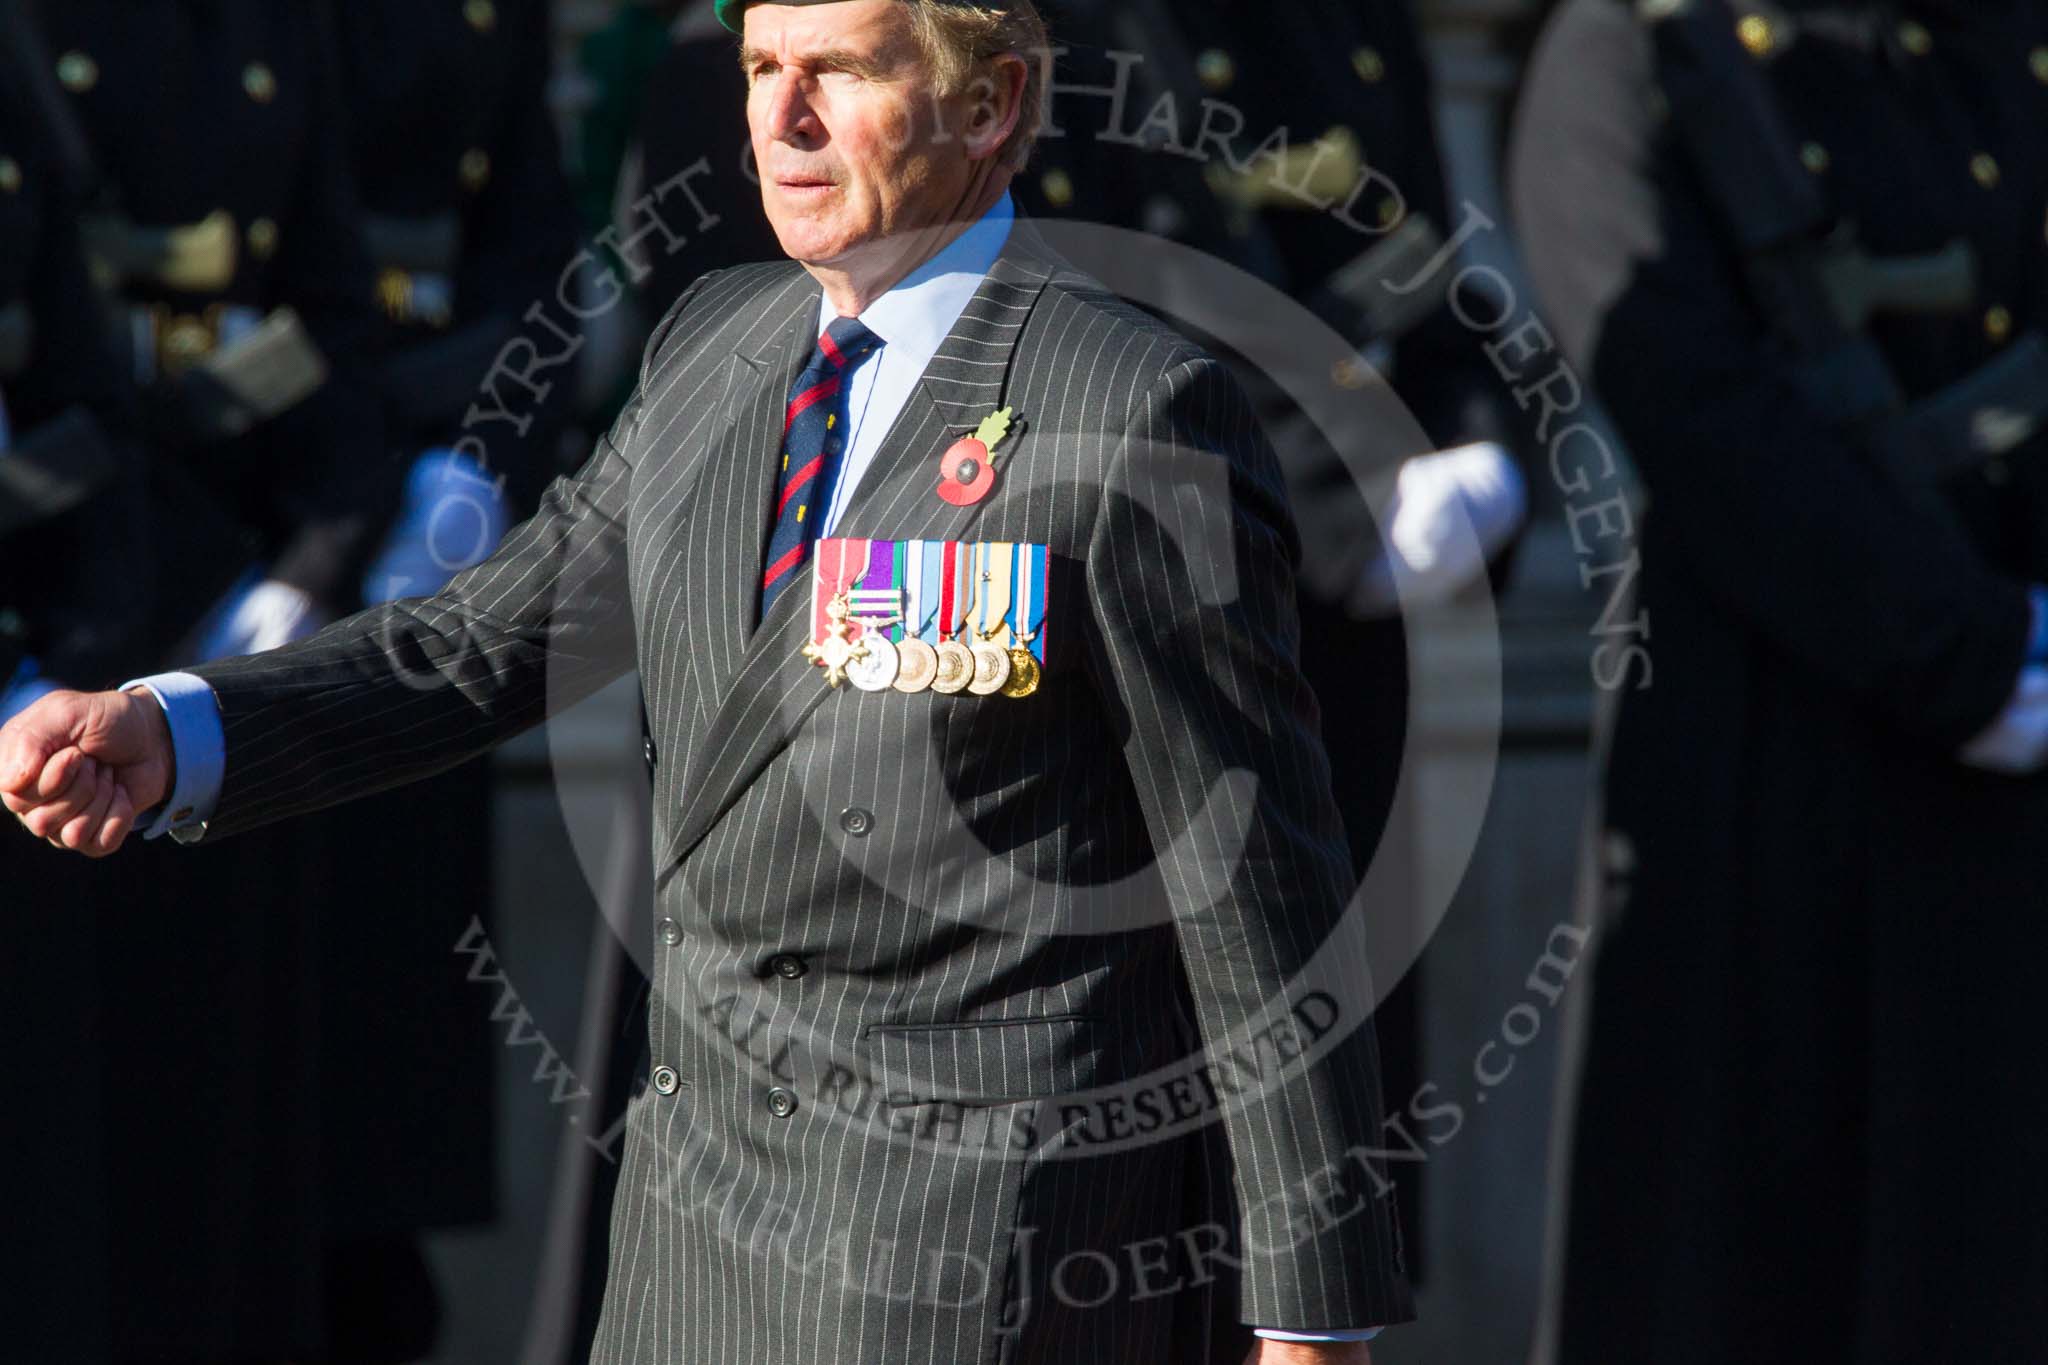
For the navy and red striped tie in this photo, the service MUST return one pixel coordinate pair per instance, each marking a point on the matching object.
(813, 450)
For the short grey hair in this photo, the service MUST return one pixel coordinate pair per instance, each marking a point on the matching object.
(957, 37)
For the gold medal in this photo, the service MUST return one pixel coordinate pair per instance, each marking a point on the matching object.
(836, 652)
(1024, 674)
(917, 664)
(1029, 588)
(955, 667)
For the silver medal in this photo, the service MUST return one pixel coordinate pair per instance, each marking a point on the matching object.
(877, 669)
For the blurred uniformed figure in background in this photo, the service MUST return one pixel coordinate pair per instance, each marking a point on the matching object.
(620, 59)
(468, 224)
(222, 232)
(66, 414)
(64, 462)
(1799, 250)
(666, 92)
(696, 109)
(222, 226)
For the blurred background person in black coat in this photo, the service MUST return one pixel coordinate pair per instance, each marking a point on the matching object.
(1798, 248)
(467, 222)
(308, 347)
(219, 225)
(66, 457)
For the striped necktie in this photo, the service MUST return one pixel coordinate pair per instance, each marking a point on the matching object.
(813, 450)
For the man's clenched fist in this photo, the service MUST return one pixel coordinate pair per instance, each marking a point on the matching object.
(77, 767)
(1310, 1353)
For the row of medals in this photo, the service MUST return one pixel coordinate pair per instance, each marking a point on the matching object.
(876, 663)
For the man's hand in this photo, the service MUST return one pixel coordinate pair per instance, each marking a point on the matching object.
(1266, 1352)
(77, 767)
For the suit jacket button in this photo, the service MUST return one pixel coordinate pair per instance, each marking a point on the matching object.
(671, 932)
(647, 751)
(665, 1080)
(856, 821)
(781, 1103)
(788, 966)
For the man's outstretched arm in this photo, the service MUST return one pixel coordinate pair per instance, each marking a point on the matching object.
(413, 687)
(391, 695)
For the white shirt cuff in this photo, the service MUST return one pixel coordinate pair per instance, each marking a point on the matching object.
(1334, 1334)
(200, 746)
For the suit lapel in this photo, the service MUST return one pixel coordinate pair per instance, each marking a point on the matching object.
(728, 523)
(964, 383)
(774, 690)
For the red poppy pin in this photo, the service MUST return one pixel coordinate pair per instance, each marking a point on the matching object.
(966, 471)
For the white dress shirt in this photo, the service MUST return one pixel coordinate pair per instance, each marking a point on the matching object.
(910, 321)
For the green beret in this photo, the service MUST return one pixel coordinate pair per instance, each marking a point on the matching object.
(732, 13)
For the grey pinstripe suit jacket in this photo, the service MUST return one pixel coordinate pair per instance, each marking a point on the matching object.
(935, 972)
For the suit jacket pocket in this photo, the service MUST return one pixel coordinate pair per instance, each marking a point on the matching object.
(990, 1061)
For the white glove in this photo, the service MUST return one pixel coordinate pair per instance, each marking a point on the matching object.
(257, 614)
(2016, 743)
(452, 517)
(1451, 512)
(23, 691)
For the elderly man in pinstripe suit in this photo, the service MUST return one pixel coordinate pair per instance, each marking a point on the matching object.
(1008, 1023)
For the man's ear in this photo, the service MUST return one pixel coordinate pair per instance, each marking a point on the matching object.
(994, 103)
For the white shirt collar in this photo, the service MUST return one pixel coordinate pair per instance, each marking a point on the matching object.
(914, 317)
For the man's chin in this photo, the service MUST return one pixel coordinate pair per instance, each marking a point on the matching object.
(811, 242)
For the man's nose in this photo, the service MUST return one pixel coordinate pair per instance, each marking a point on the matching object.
(791, 118)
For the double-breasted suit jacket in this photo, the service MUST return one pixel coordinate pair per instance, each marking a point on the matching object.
(933, 974)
